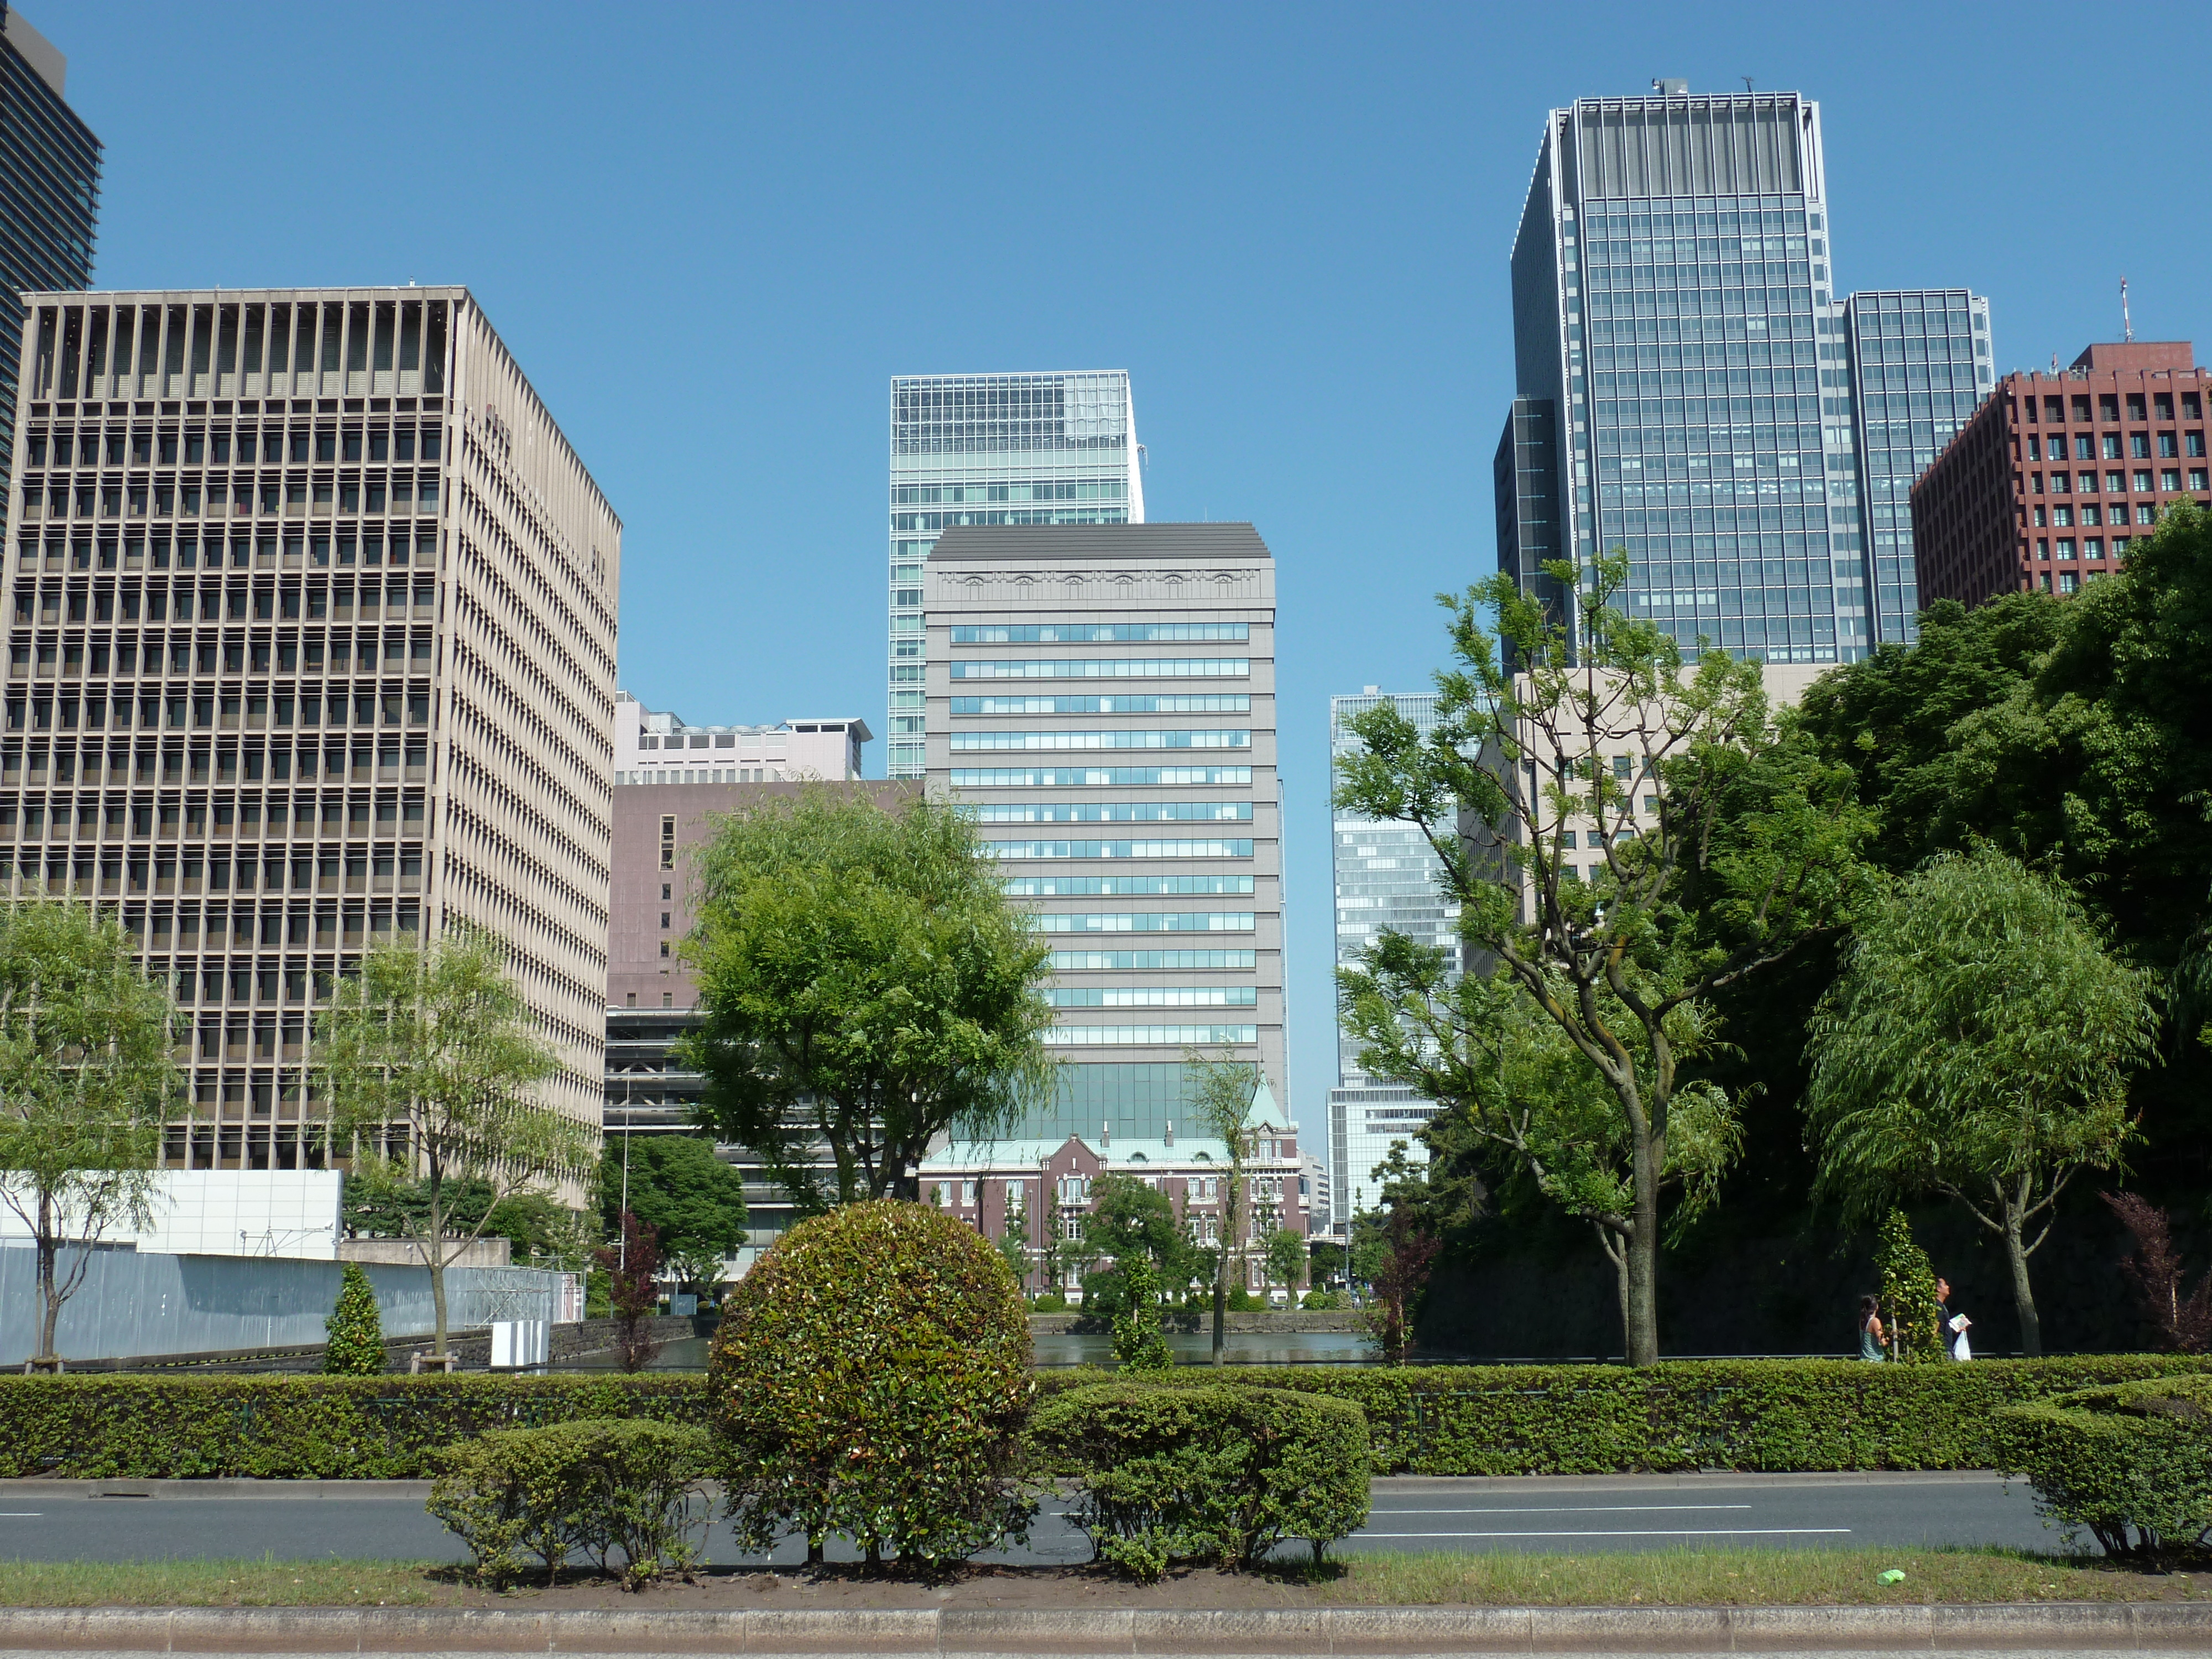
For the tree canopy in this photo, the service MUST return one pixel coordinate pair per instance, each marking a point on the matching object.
(866, 986)
(1978, 1044)
(694, 1202)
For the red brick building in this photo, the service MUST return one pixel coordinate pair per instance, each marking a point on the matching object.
(2051, 479)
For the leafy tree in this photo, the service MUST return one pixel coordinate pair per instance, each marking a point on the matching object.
(1908, 1293)
(1222, 1092)
(85, 1082)
(541, 1229)
(633, 1269)
(1131, 1223)
(1138, 1344)
(428, 1054)
(380, 1200)
(1723, 842)
(1520, 1101)
(1328, 1258)
(2182, 1318)
(694, 1202)
(1978, 1044)
(1013, 1249)
(354, 1332)
(866, 986)
(1284, 1253)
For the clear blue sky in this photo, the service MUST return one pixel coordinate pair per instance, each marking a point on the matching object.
(712, 233)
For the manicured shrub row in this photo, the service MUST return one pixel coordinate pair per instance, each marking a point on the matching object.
(1753, 1414)
(1169, 1471)
(1783, 1414)
(2132, 1463)
(596, 1488)
(362, 1428)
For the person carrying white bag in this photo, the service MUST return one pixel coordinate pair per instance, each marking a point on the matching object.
(1957, 1324)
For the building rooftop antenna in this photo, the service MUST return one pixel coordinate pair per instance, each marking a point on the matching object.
(2127, 323)
(1746, 83)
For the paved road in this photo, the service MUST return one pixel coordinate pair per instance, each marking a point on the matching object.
(1545, 1515)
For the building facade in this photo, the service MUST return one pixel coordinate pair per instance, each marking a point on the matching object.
(312, 644)
(1919, 367)
(662, 818)
(1039, 1187)
(2054, 475)
(1685, 374)
(994, 449)
(49, 194)
(1102, 698)
(659, 748)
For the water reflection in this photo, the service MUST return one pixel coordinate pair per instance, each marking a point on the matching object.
(1190, 1348)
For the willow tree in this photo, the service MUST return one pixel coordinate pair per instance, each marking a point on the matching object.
(1222, 1091)
(866, 988)
(1626, 833)
(1978, 1044)
(86, 1083)
(430, 1057)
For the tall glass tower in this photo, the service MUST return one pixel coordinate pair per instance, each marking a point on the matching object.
(994, 449)
(1920, 365)
(49, 194)
(1686, 373)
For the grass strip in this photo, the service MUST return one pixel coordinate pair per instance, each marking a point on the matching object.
(1770, 1577)
(264, 1584)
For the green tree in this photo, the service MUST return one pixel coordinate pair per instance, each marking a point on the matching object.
(428, 1055)
(1978, 1044)
(542, 1231)
(694, 1202)
(1222, 1092)
(1284, 1253)
(865, 987)
(1131, 1223)
(86, 1083)
(1014, 1248)
(354, 1332)
(1139, 1343)
(1723, 842)
(1522, 1102)
(1908, 1292)
(1328, 1258)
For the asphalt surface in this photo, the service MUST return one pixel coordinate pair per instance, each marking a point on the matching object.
(1557, 1516)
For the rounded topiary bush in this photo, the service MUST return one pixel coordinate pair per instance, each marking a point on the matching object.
(870, 1378)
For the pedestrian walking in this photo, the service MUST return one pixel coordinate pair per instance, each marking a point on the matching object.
(1956, 1324)
(1870, 1332)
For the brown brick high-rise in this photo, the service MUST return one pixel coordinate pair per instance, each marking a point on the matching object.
(2055, 474)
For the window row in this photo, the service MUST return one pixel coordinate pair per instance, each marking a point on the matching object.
(194, 873)
(2089, 446)
(2092, 547)
(2092, 514)
(238, 498)
(2139, 480)
(368, 545)
(199, 446)
(361, 762)
(67, 656)
(250, 711)
(51, 605)
(2055, 410)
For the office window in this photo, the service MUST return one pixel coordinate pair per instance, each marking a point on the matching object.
(2066, 582)
(2196, 475)
(2062, 516)
(2146, 514)
(2142, 478)
(2169, 478)
(2112, 445)
(2084, 445)
(2135, 405)
(2168, 445)
(2065, 551)
(2093, 548)
(2195, 443)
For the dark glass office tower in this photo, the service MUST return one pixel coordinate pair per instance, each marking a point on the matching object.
(49, 193)
(1676, 322)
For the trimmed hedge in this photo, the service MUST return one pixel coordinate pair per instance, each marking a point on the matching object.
(1174, 1471)
(2137, 1456)
(1780, 1414)
(359, 1428)
(1770, 1414)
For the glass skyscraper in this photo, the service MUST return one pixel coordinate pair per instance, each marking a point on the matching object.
(1387, 877)
(49, 194)
(1920, 365)
(1675, 321)
(994, 449)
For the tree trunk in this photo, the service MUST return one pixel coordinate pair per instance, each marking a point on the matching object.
(1642, 1249)
(50, 1307)
(1220, 1301)
(435, 1256)
(2023, 1296)
(1618, 1256)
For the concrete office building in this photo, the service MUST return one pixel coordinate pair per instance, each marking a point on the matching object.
(994, 449)
(49, 193)
(664, 813)
(1685, 376)
(1388, 878)
(311, 643)
(2053, 478)
(1102, 698)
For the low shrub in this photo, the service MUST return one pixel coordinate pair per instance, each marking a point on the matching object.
(1050, 1302)
(1171, 1471)
(2132, 1463)
(870, 1379)
(1240, 1300)
(1323, 1301)
(594, 1488)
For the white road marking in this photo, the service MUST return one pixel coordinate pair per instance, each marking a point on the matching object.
(1573, 1508)
(19, 1515)
(1682, 1532)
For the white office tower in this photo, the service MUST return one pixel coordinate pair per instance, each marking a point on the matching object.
(994, 449)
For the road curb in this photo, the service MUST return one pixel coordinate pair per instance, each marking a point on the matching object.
(2069, 1627)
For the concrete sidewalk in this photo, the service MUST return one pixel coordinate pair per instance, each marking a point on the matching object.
(2073, 1627)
